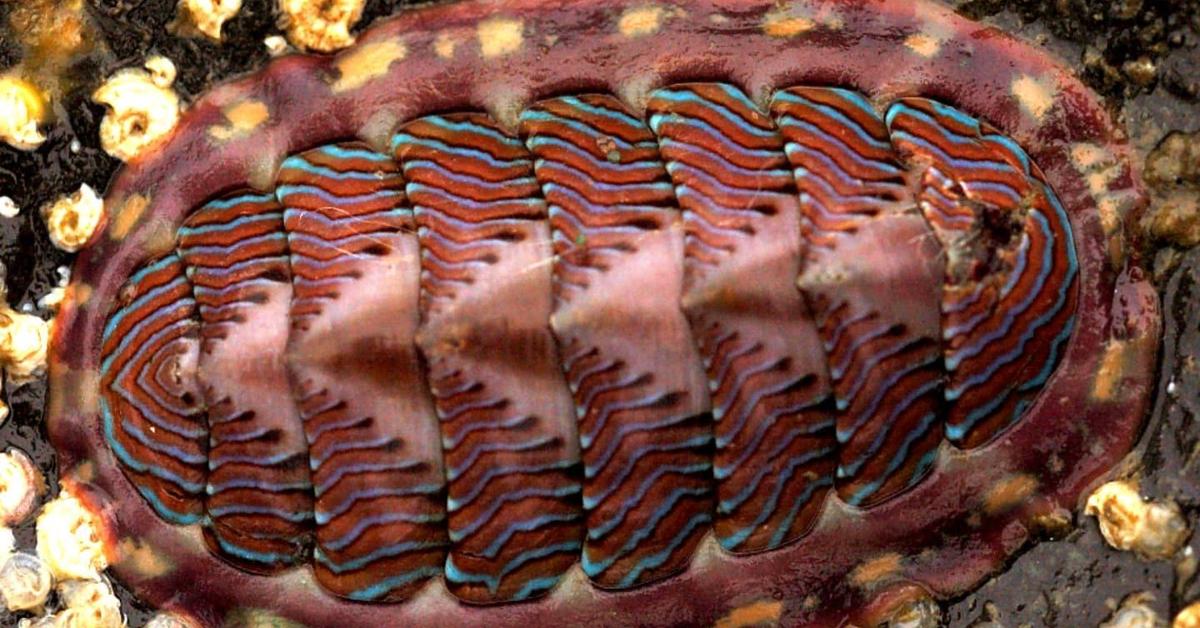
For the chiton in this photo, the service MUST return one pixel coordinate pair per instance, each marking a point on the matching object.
(709, 312)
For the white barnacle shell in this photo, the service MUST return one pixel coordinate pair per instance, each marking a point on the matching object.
(24, 339)
(143, 108)
(71, 220)
(8, 207)
(69, 539)
(323, 26)
(22, 108)
(25, 582)
(204, 16)
(1154, 530)
(21, 486)
(89, 604)
(8, 543)
(1135, 611)
(166, 619)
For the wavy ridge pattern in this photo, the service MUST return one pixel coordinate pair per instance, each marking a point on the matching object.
(507, 422)
(150, 401)
(489, 356)
(775, 452)
(259, 506)
(629, 358)
(1009, 303)
(377, 478)
(873, 278)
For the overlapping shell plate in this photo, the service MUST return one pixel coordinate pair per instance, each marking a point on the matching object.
(429, 324)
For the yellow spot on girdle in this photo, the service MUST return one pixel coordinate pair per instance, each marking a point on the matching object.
(1100, 168)
(159, 238)
(83, 385)
(126, 216)
(1091, 159)
(259, 618)
(759, 613)
(641, 21)
(366, 63)
(799, 19)
(933, 30)
(1009, 493)
(875, 570)
(784, 24)
(1102, 171)
(500, 36)
(144, 559)
(242, 117)
(84, 472)
(78, 294)
(923, 44)
(444, 45)
(1035, 96)
(1113, 366)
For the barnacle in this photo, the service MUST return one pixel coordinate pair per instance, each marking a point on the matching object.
(1154, 530)
(22, 108)
(143, 109)
(8, 208)
(88, 604)
(24, 582)
(204, 16)
(21, 486)
(23, 344)
(323, 26)
(69, 539)
(71, 220)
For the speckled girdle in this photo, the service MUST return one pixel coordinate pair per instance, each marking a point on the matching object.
(976, 507)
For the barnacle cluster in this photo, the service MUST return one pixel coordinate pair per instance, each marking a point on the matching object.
(25, 581)
(69, 552)
(69, 561)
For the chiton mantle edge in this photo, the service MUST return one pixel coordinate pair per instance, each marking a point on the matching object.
(502, 57)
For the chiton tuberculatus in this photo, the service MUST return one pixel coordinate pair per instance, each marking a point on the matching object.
(719, 310)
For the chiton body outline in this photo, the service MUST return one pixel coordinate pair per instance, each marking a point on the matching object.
(503, 59)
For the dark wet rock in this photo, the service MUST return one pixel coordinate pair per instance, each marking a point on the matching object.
(1173, 175)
